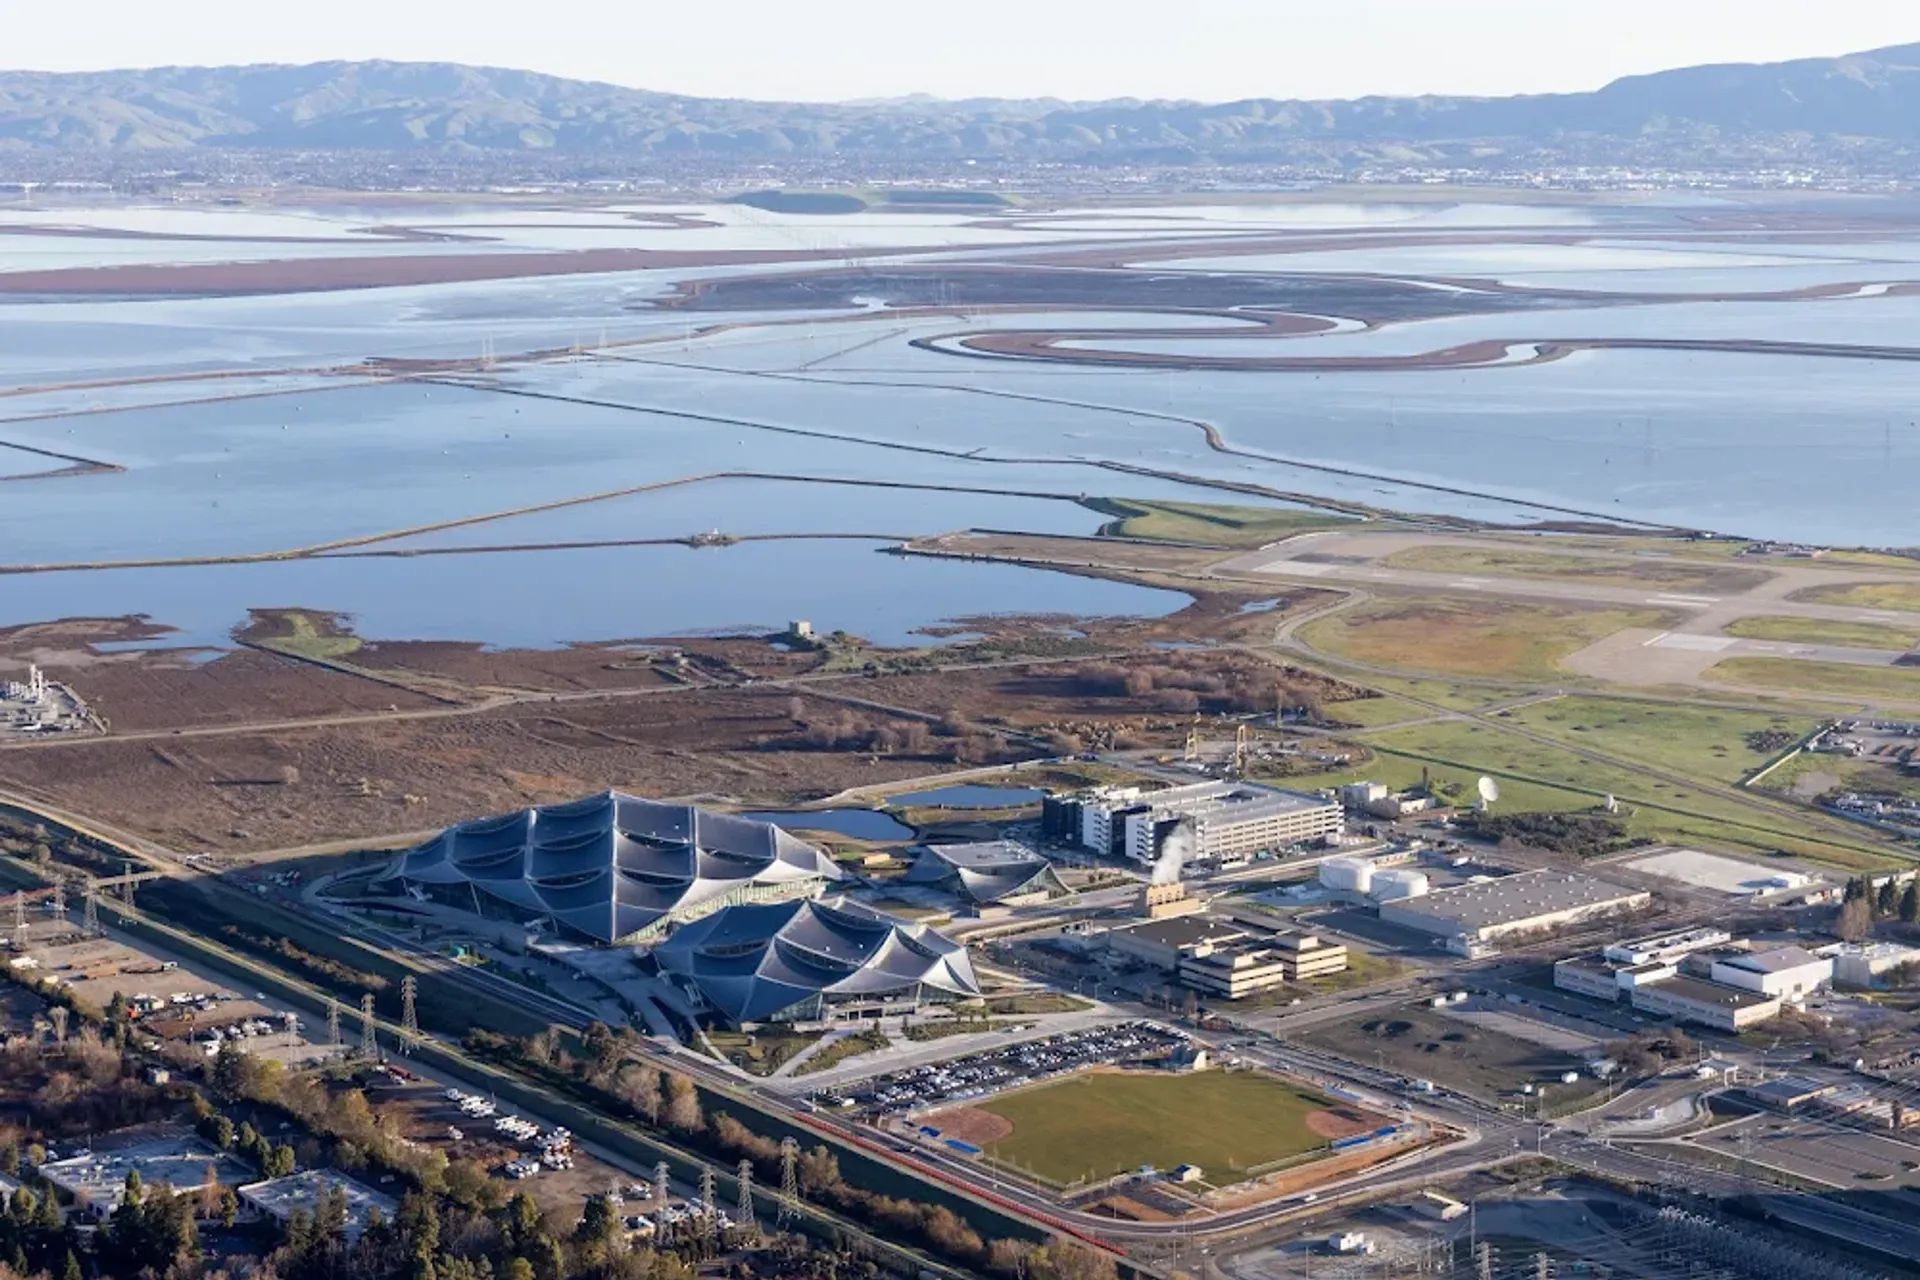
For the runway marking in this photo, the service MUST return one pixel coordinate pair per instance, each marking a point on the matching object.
(1294, 566)
(1470, 584)
(1691, 601)
(1692, 643)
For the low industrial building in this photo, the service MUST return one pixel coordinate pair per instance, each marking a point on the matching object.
(1788, 973)
(96, 1183)
(1376, 801)
(1238, 970)
(1479, 913)
(1214, 820)
(1160, 943)
(281, 1198)
(1666, 946)
(1707, 1004)
(1864, 965)
(989, 871)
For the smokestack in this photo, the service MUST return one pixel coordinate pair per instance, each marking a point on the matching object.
(1174, 853)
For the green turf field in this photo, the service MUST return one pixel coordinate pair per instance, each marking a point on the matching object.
(1102, 1123)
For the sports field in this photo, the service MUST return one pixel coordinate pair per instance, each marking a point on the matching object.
(1102, 1123)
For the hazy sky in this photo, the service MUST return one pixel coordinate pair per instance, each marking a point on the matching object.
(822, 49)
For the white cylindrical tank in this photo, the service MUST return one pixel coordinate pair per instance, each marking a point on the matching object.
(1354, 875)
(1389, 886)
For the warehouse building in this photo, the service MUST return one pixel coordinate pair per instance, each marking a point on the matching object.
(1708, 1004)
(1160, 943)
(1216, 820)
(1478, 914)
(1788, 973)
(1863, 965)
(96, 1183)
(305, 1192)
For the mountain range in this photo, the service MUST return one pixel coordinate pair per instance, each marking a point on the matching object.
(1870, 99)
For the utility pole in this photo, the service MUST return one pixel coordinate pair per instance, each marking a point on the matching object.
(369, 1037)
(1483, 1262)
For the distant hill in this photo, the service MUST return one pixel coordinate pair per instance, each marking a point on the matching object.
(389, 106)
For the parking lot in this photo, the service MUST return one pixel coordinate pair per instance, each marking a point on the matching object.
(977, 1075)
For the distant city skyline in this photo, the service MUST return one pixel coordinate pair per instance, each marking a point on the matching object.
(1210, 50)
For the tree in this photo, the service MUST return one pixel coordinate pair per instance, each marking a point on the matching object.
(1910, 903)
(683, 1105)
(1856, 919)
(1887, 901)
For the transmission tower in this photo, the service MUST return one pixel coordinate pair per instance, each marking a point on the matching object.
(660, 1200)
(1193, 741)
(1242, 741)
(60, 903)
(126, 885)
(1542, 1267)
(90, 911)
(19, 920)
(409, 1016)
(369, 1038)
(789, 1179)
(1483, 1262)
(745, 1212)
(333, 1022)
(58, 1016)
(709, 1211)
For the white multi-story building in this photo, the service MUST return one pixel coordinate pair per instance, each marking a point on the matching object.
(1787, 973)
(1218, 819)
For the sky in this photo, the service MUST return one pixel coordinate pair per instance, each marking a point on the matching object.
(1212, 50)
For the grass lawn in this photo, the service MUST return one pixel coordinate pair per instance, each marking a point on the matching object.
(1373, 713)
(1227, 526)
(1859, 635)
(1705, 742)
(1102, 1123)
(1537, 779)
(1485, 638)
(301, 634)
(1808, 776)
(1903, 596)
(1842, 680)
(1036, 1002)
(1661, 574)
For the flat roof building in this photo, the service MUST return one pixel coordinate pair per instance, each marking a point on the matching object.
(1791, 973)
(1236, 970)
(1667, 946)
(1526, 902)
(96, 1183)
(1161, 942)
(1222, 819)
(1706, 1003)
(1863, 964)
(281, 1198)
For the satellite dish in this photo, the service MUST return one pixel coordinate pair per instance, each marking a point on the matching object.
(1489, 790)
(1613, 805)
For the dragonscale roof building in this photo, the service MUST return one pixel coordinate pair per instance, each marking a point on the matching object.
(613, 867)
(988, 871)
(812, 960)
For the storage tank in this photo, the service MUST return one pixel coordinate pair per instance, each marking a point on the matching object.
(1390, 886)
(1352, 875)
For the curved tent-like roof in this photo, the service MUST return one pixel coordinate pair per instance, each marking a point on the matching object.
(613, 865)
(753, 963)
(987, 871)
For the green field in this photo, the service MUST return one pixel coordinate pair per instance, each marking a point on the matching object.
(1903, 596)
(1102, 1123)
(1482, 638)
(1841, 680)
(1373, 713)
(1859, 635)
(1587, 570)
(1706, 742)
(1226, 526)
